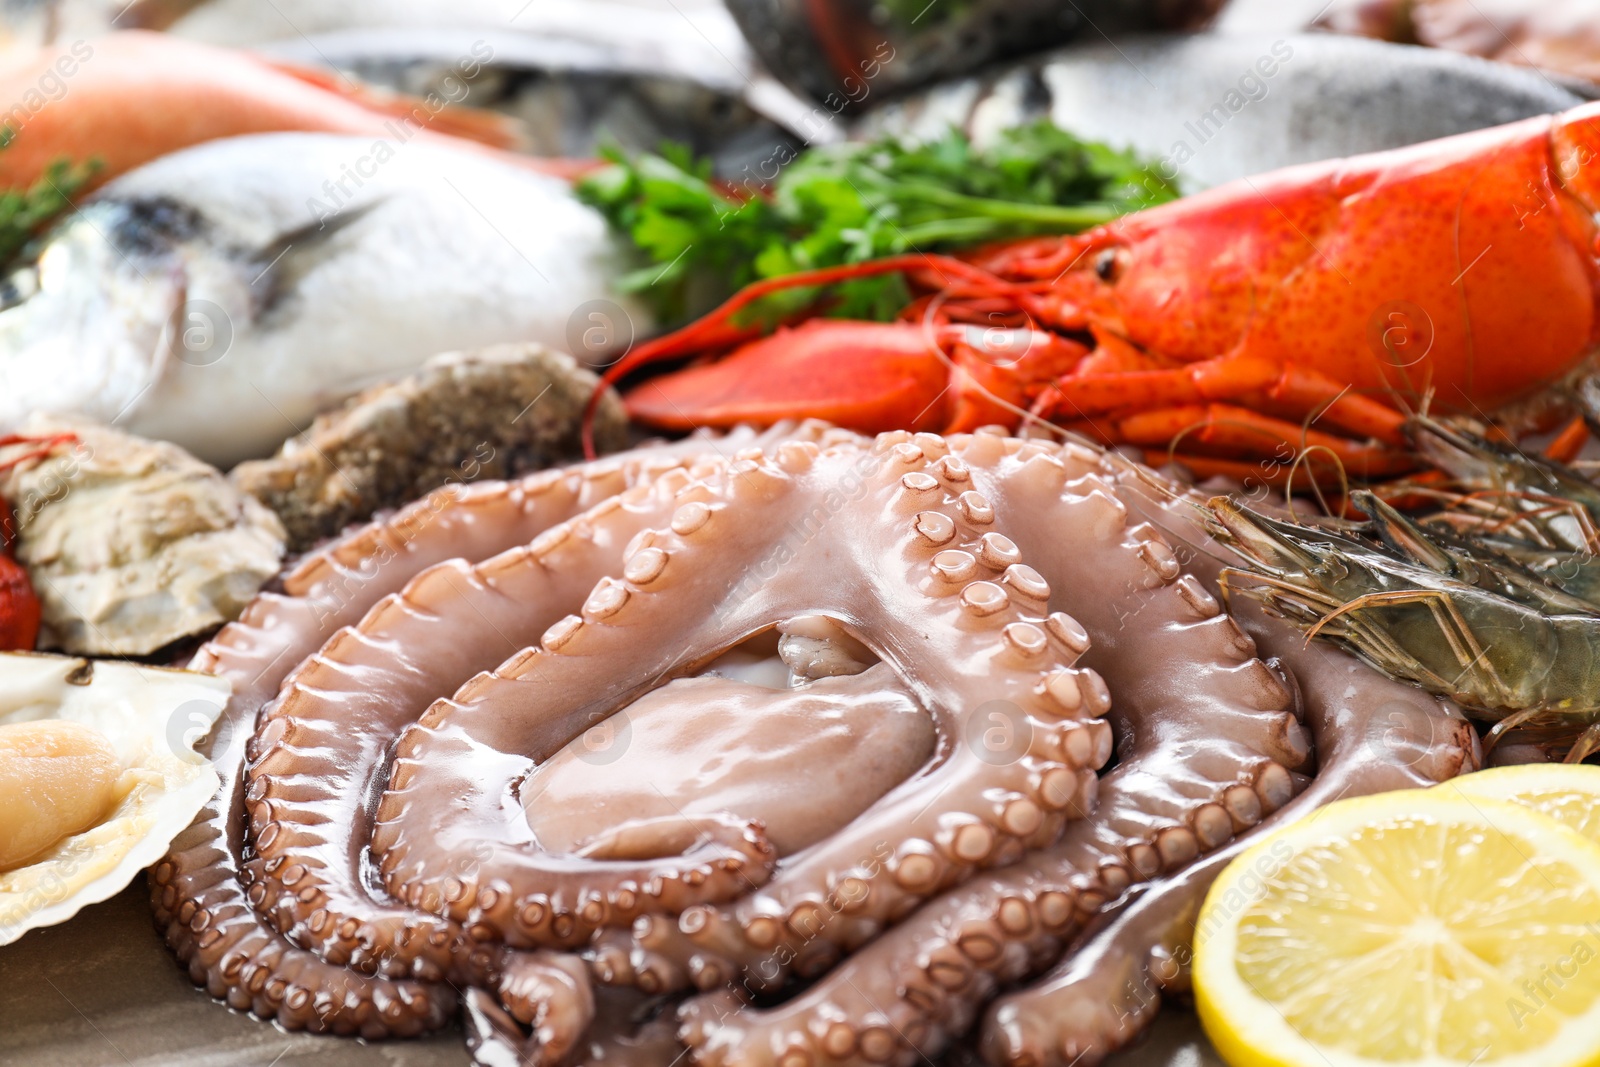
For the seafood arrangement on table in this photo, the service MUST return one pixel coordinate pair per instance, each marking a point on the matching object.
(1076, 573)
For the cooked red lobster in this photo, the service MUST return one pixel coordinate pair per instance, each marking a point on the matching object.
(1298, 314)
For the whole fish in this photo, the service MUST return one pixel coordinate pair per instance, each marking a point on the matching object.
(221, 296)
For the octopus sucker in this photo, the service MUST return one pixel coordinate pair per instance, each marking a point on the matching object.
(533, 749)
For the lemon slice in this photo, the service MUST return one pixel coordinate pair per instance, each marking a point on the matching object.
(1406, 929)
(1567, 792)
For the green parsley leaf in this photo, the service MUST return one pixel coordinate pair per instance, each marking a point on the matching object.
(24, 213)
(850, 203)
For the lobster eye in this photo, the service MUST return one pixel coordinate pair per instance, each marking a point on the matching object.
(1108, 266)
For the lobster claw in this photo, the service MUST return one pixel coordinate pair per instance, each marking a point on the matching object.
(864, 376)
(1001, 372)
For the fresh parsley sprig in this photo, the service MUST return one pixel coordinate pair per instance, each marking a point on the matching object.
(24, 213)
(849, 203)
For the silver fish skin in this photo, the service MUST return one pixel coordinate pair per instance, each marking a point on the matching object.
(1213, 108)
(221, 296)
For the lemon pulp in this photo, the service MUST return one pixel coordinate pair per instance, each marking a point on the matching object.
(1407, 928)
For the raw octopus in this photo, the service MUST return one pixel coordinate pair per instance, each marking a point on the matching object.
(1029, 717)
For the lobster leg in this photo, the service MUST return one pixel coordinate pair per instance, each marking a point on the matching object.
(1301, 390)
(1566, 445)
(1242, 432)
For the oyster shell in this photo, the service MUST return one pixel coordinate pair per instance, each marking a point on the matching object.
(496, 412)
(133, 544)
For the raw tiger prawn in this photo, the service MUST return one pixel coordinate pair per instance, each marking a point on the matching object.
(1493, 602)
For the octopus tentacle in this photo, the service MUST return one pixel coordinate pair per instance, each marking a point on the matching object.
(629, 1030)
(197, 892)
(548, 992)
(960, 642)
(1374, 734)
(321, 748)
(1204, 753)
(494, 1038)
(1214, 723)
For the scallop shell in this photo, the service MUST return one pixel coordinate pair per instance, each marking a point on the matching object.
(133, 544)
(153, 717)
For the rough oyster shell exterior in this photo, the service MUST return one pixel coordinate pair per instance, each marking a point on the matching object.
(134, 544)
(496, 412)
